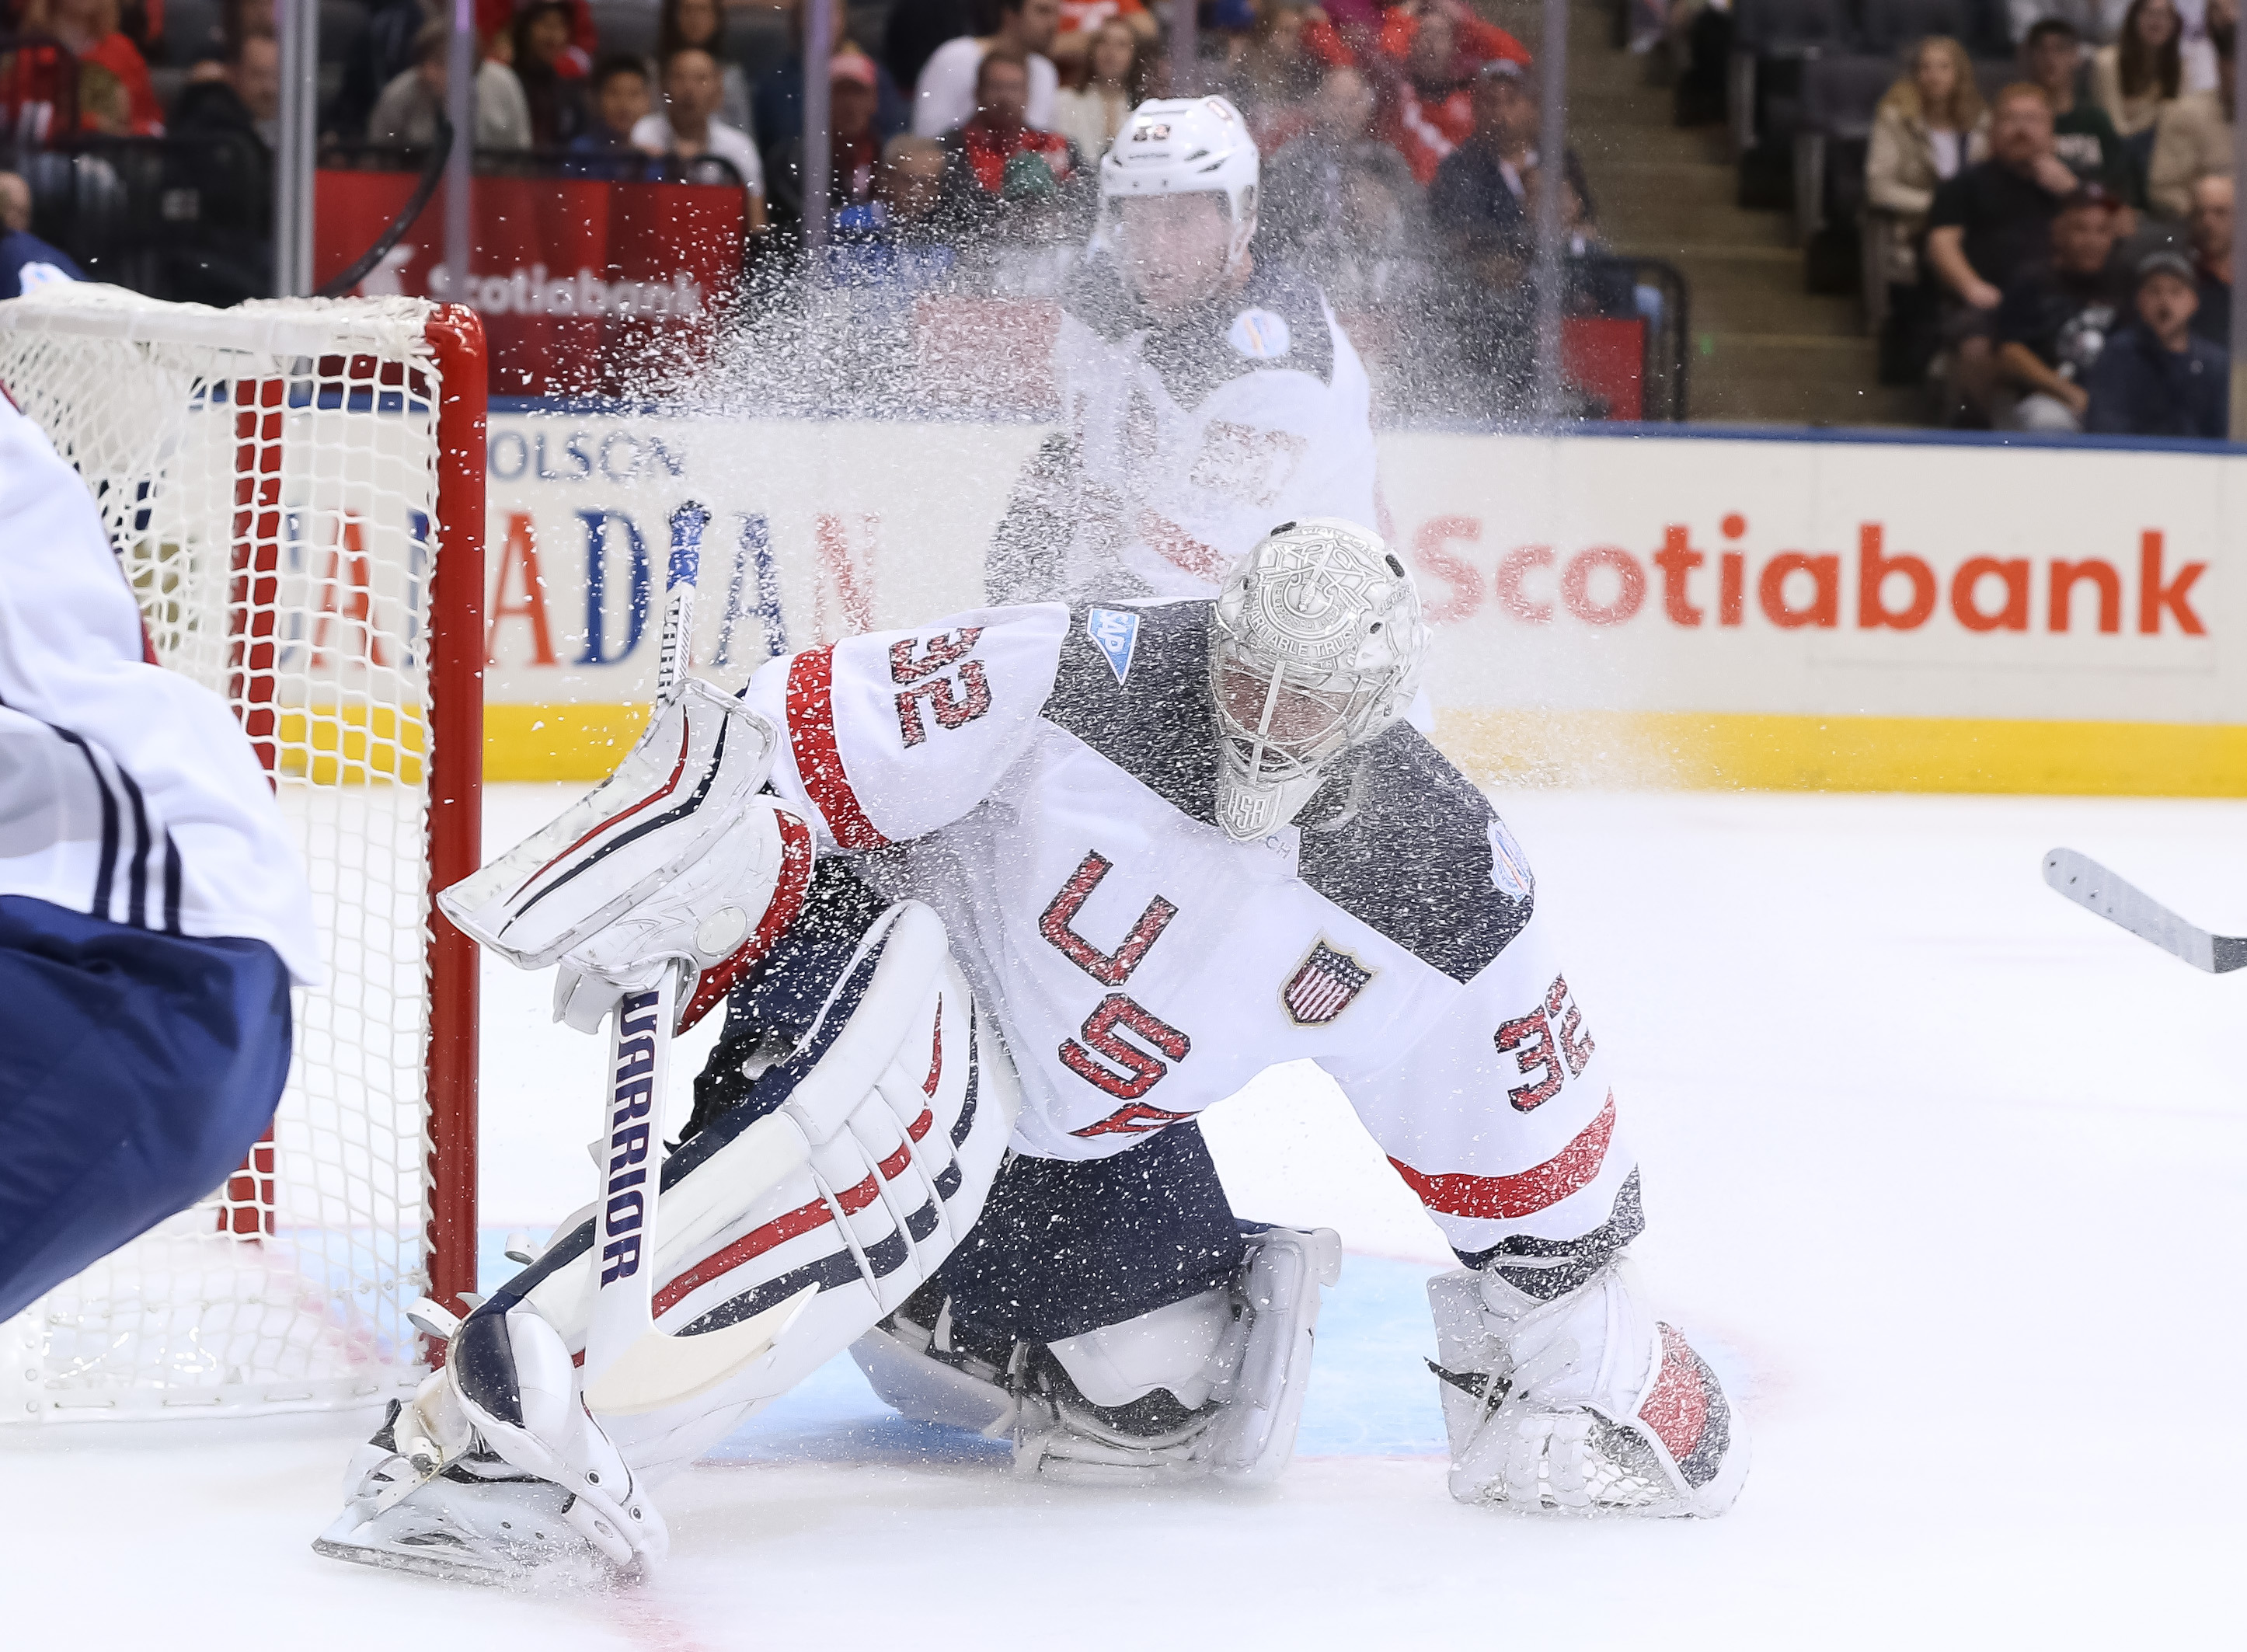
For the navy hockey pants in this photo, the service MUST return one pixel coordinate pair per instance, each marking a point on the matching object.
(1065, 1246)
(136, 1069)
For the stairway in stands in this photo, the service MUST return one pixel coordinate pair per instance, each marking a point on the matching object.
(1764, 351)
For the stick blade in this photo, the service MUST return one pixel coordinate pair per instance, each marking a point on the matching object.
(657, 1370)
(2096, 890)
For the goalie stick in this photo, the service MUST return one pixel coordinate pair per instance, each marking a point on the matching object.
(631, 1366)
(2096, 890)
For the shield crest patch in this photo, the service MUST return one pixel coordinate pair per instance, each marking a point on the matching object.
(1323, 984)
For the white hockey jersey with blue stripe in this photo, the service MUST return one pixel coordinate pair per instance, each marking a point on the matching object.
(127, 791)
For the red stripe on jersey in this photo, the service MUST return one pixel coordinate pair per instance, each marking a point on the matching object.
(755, 1243)
(1503, 1197)
(854, 1199)
(1180, 548)
(919, 1128)
(811, 739)
(1676, 1407)
(894, 1166)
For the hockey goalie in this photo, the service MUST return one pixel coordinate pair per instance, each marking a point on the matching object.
(997, 906)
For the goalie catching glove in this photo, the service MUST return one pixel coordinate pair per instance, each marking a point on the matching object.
(674, 859)
(1585, 1404)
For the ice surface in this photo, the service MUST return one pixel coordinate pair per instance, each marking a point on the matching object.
(1946, 1173)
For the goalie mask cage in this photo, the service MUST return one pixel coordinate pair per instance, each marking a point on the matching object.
(295, 489)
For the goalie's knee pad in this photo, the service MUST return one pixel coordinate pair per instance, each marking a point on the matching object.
(497, 1473)
(852, 1159)
(1586, 1404)
(1210, 1385)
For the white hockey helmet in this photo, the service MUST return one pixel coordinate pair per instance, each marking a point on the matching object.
(1315, 645)
(1182, 146)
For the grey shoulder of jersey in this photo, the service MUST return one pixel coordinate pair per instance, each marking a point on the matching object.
(1093, 293)
(1418, 863)
(1275, 324)
(1142, 699)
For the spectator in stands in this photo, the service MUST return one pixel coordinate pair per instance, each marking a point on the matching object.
(915, 30)
(984, 151)
(556, 98)
(1272, 74)
(240, 93)
(1089, 116)
(700, 22)
(1432, 104)
(2056, 316)
(2193, 137)
(1428, 97)
(622, 99)
(1484, 201)
(1987, 224)
(412, 107)
(385, 51)
(2082, 135)
(231, 115)
(1082, 19)
(2210, 226)
(26, 261)
(2157, 378)
(776, 101)
(88, 29)
(855, 147)
(911, 191)
(888, 252)
(1314, 186)
(1928, 126)
(947, 94)
(2140, 73)
(2091, 19)
(687, 129)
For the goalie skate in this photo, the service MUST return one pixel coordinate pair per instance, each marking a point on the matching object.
(474, 1521)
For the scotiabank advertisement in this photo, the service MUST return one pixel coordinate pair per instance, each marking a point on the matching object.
(585, 288)
(1599, 604)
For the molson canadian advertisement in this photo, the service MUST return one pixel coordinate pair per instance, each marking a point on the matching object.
(1640, 609)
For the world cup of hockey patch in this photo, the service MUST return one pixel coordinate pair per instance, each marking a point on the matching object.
(1509, 867)
(1259, 335)
(1323, 985)
(1114, 633)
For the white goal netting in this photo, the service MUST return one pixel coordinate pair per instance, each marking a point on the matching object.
(270, 478)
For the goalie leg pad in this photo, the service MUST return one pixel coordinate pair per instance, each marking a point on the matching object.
(1586, 1404)
(853, 1165)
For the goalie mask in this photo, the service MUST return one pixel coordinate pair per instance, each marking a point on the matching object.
(1314, 646)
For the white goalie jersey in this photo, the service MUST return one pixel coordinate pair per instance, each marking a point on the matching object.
(1186, 442)
(1044, 778)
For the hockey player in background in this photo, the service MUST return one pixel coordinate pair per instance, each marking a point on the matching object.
(1081, 873)
(1204, 395)
(151, 910)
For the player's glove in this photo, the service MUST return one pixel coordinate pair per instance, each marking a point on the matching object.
(676, 859)
(1584, 1405)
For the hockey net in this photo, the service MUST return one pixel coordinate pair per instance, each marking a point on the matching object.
(295, 489)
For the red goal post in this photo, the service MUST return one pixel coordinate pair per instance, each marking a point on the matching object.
(295, 489)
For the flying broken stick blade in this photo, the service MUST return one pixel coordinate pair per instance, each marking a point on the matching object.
(2094, 888)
